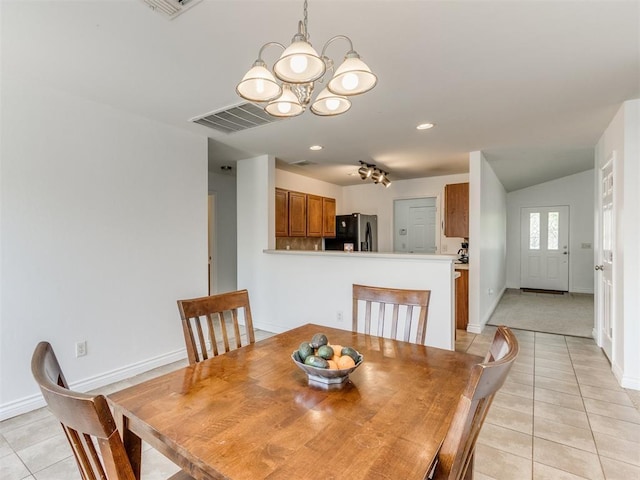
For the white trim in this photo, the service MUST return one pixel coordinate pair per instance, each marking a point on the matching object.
(582, 290)
(477, 329)
(33, 402)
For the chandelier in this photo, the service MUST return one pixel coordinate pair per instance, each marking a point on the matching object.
(369, 171)
(288, 90)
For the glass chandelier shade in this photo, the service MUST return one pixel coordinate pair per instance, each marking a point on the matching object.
(258, 84)
(328, 103)
(286, 105)
(288, 90)
(299, 63)
(352, 77)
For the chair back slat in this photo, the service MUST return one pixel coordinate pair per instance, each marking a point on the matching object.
(456, 454)
(211, 315)
(394, 299)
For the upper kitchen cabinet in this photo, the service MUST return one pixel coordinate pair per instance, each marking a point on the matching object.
(282, 213)
(314, 216)
(297, 214)
(456, 210)
(328, 217)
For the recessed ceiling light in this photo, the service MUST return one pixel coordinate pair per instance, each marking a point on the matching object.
(425, 126)
(316, 147)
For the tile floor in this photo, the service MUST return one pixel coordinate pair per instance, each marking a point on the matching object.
(560, 415)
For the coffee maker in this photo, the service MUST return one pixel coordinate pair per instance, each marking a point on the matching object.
(463, 253)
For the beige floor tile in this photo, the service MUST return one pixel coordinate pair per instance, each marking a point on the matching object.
(552, 348)
(519, 389)
(24, 419)
(500, 464)
(513, 419)
(634, 395)
(596, 378)
(5, 448)
(550, 338)
(563, 366)
(554, 357)
(545, 472)
(618, 397)
(521, 378)
(559, 398)
(617, 428)
(566, 458)
(606, 409)
(556, 374)
(525, 360)
(482, 476)
(32, 433)
(513, 402)
(507, 440)
(42, 454)
(67, 469)
(617, 448)
(527, 368)
(616, 470)
(556, 413)
(156, 466)
(570, 387)
(565, 434)
(12, 468)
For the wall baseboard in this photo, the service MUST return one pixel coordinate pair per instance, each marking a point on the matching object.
(33, 402)
(477, 329)
(582, 290)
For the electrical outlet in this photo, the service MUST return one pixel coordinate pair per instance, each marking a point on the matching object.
(81, 348)
(339, 316)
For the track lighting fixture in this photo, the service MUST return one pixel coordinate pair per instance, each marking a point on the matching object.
(367, 171)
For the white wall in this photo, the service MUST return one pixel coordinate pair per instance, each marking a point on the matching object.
(487, 241)
(576, 191)
(375, 199)
(224, 256)
(300, 183)
(289, 289)
(621, 138)
(103, 228)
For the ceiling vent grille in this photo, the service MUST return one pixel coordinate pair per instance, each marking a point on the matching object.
(171, 8)
(234, 119)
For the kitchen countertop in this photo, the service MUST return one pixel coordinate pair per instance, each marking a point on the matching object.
(340, 253)
(460, 266)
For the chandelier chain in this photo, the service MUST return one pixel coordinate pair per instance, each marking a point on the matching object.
(306, 28)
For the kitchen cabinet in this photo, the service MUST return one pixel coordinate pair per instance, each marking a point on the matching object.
(462, 299)
(328, 217)
(297, 214)
(304, 215)
(282, 213)
(456, 210)
(315, 220)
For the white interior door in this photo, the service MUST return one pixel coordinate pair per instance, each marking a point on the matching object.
(211, 221)
(544, 252)
(415, 225)
(604, 283)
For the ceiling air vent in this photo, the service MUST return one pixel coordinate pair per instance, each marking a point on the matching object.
(171, 8)
(302, 163)
(236, 118)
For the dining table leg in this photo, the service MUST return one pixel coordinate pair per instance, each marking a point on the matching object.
(132, 444)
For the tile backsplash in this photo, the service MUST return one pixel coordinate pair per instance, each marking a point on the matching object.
(298, 243)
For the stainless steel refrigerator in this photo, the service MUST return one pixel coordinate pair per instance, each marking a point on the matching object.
(359, 229)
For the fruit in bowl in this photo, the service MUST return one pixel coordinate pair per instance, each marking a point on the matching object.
(325, 363)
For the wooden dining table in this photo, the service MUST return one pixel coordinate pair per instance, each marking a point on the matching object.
(252, 414)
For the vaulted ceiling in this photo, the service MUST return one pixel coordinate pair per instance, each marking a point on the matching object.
(531, 84)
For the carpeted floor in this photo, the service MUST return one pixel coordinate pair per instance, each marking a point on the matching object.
(568, 314)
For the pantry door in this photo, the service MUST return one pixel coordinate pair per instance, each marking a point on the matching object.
(544, 251)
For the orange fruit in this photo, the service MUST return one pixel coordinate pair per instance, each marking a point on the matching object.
(346, 362)
(336, 358)
(332, 365)
(337, 350)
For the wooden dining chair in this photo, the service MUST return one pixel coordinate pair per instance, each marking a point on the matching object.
(204, 319)
(86, 421)
(397, 298)
(455, 459)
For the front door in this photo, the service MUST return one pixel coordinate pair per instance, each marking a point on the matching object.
(544, 251)
(604, 282)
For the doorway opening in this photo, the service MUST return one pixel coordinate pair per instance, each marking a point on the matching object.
(414, 225)
(211, 239)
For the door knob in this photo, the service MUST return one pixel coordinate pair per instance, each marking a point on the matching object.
(599, 267)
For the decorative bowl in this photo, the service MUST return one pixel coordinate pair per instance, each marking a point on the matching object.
(325, 376)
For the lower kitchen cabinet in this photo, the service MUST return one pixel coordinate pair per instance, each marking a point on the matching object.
(462, 300)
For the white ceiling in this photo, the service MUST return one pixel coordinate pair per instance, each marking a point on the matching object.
(531, 84)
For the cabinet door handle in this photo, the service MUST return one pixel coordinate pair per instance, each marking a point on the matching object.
(599, 267)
